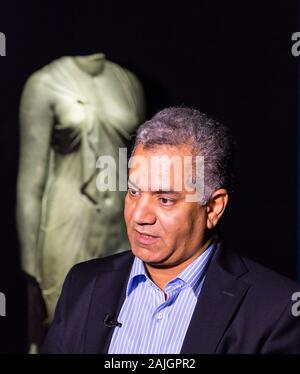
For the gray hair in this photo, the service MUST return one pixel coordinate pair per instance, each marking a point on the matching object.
(208, 138)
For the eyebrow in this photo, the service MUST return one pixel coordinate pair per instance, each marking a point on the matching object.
(167, 192)
(132, 184)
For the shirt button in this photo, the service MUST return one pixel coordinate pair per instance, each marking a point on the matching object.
(159, 316)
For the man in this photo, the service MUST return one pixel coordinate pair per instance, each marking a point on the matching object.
(179, 290)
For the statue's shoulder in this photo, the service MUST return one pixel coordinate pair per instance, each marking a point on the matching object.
(123, 72)
(49, 76)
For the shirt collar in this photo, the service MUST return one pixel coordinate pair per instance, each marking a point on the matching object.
(193, 275)
(138, 274)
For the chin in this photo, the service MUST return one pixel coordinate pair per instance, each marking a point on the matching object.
(141, 252)
(147, 254)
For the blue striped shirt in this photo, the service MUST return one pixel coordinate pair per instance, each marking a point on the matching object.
(152, 324)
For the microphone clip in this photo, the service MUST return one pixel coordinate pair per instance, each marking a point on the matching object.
(109, 322)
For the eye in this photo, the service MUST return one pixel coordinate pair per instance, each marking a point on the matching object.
(166, 202)
(132, 192)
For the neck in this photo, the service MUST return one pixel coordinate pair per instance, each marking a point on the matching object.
(91, 64)
(163, 275)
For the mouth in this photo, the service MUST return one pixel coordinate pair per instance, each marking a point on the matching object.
(145, 238)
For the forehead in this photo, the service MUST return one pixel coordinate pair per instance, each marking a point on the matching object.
(163, 150)
(161, 167)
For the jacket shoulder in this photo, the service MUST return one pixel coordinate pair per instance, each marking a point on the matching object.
(261, 274)
(86, 272)
(96, 265)
(267, 283)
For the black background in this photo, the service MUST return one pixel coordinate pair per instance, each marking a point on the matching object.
(231, 60)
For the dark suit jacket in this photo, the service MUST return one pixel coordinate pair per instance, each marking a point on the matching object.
(243, 308)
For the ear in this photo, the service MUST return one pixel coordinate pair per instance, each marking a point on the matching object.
(215, 207)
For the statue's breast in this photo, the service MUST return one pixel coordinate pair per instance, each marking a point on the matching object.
(88, 103)
(72, 116)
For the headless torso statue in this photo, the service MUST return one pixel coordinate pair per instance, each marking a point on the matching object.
(72, 111)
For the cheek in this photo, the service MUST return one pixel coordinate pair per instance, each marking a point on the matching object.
(173, 223)
(128, 208)
(181, 224)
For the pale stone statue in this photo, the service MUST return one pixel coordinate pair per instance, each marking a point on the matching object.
(72, 111)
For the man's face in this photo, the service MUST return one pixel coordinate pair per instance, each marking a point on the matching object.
(163, 228)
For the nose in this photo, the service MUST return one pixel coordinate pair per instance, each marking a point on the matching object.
(143, 212)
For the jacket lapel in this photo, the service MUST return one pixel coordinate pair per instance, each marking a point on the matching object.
(220, 297)
(106, 297)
